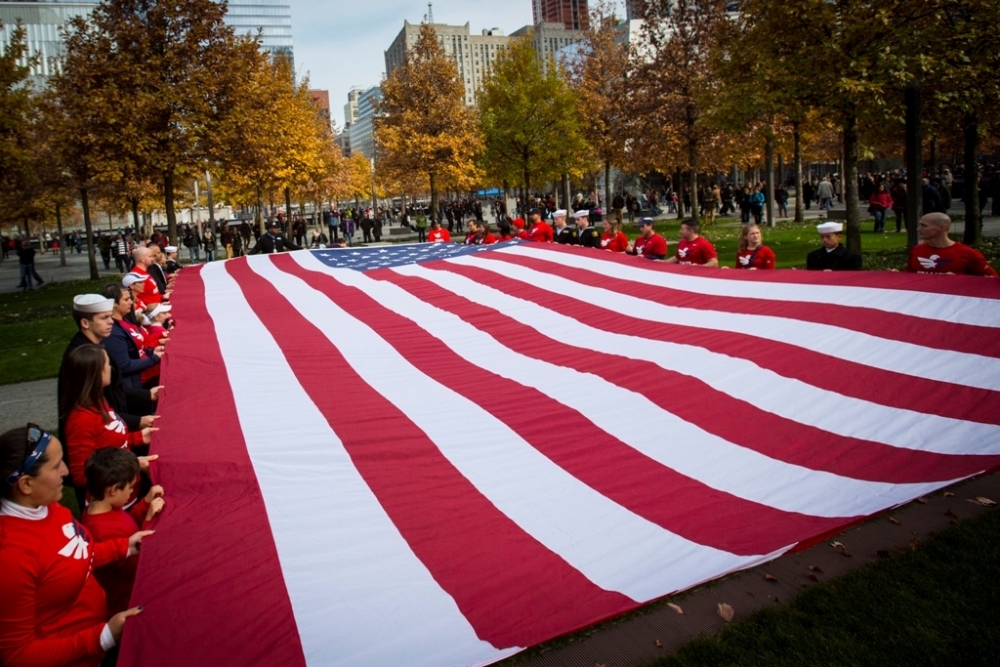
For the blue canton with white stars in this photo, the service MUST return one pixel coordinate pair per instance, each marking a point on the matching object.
(380, 257)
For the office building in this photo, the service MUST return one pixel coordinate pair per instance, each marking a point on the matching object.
(351, 108)
(473, 54)
(43, 20)
(572, 14)
(362, 131)
(321, 100)
(550, 40)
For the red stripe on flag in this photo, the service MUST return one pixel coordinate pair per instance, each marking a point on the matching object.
(934, 334)
(502, 579)
(850, 379)
(663, 496)
(215, 539)
(973, 286)
(693, 400)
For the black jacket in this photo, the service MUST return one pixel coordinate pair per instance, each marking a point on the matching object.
(566, 235)
(590, 238)
(269, 243)
(838, 259)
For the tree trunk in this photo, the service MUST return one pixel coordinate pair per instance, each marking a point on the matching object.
(679, 191)
(88, 227)
(527, 187)
(168, 202)
(693, 174)
(260, 211)
(567, 195)
(933, 169)
(134, 201)
(211, 200)
(607, 186)
(769, 159)
(288, 212)
(913, 158)
(850, 176)
(797, 135)
(62, 241)
(973, 223)
(434, 201)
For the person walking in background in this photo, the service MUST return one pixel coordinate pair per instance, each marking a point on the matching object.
(208, 242)
(879, 203)
(26, 260)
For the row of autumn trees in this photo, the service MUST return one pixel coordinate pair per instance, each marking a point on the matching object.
(699, 92)
(150, 94)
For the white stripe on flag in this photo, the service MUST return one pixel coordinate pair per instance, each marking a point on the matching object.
(787, 397)
(943, 307)
(610, 545)
(890, 355)
(347, 611)
(689, 450)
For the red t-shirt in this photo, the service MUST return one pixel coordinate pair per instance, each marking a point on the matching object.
(86, 432)
(53, 611)
(654, 247)
(150, 292)
(699, 251)
(541, 231)
(763, 259)
(522, 235)
(435, 235)
(956, 258)
(615, 243)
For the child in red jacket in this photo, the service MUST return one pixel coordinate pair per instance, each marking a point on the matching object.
(112, 474)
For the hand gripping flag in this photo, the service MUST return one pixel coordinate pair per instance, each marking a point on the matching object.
(442, 454)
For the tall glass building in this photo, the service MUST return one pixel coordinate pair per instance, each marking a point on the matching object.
(42, 20)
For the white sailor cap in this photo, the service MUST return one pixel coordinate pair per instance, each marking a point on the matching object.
(582, 213)
(131, 279)
(92, 303)
(169, 249)
(561, 213)
(830, 228)
(158, 309)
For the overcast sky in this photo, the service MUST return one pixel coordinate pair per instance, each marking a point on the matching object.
(342, 43)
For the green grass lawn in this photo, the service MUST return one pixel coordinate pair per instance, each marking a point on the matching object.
(931, 606)
(35, 327)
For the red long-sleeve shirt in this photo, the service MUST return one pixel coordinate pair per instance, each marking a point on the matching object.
(117, 578)
(52, 611)
(86, 432)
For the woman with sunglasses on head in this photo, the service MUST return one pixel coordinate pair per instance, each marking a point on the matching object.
(53, 612)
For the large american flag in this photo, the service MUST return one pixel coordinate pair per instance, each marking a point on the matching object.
(442, 454)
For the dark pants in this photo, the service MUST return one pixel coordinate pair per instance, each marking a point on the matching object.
(900, 218)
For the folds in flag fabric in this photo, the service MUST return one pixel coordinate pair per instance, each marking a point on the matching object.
(442, 454)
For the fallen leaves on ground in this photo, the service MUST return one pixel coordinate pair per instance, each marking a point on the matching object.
(922, 501)
(950, 514)
(980, 500)
(659, 644)
(894, 520)
(726, 612)
(948, 494)
(675, 607)
(817, 568)
(770, 577)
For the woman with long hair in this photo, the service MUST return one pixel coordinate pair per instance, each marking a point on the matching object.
(752, 253)
(91, 423)
(614, 238)
(54, 612)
